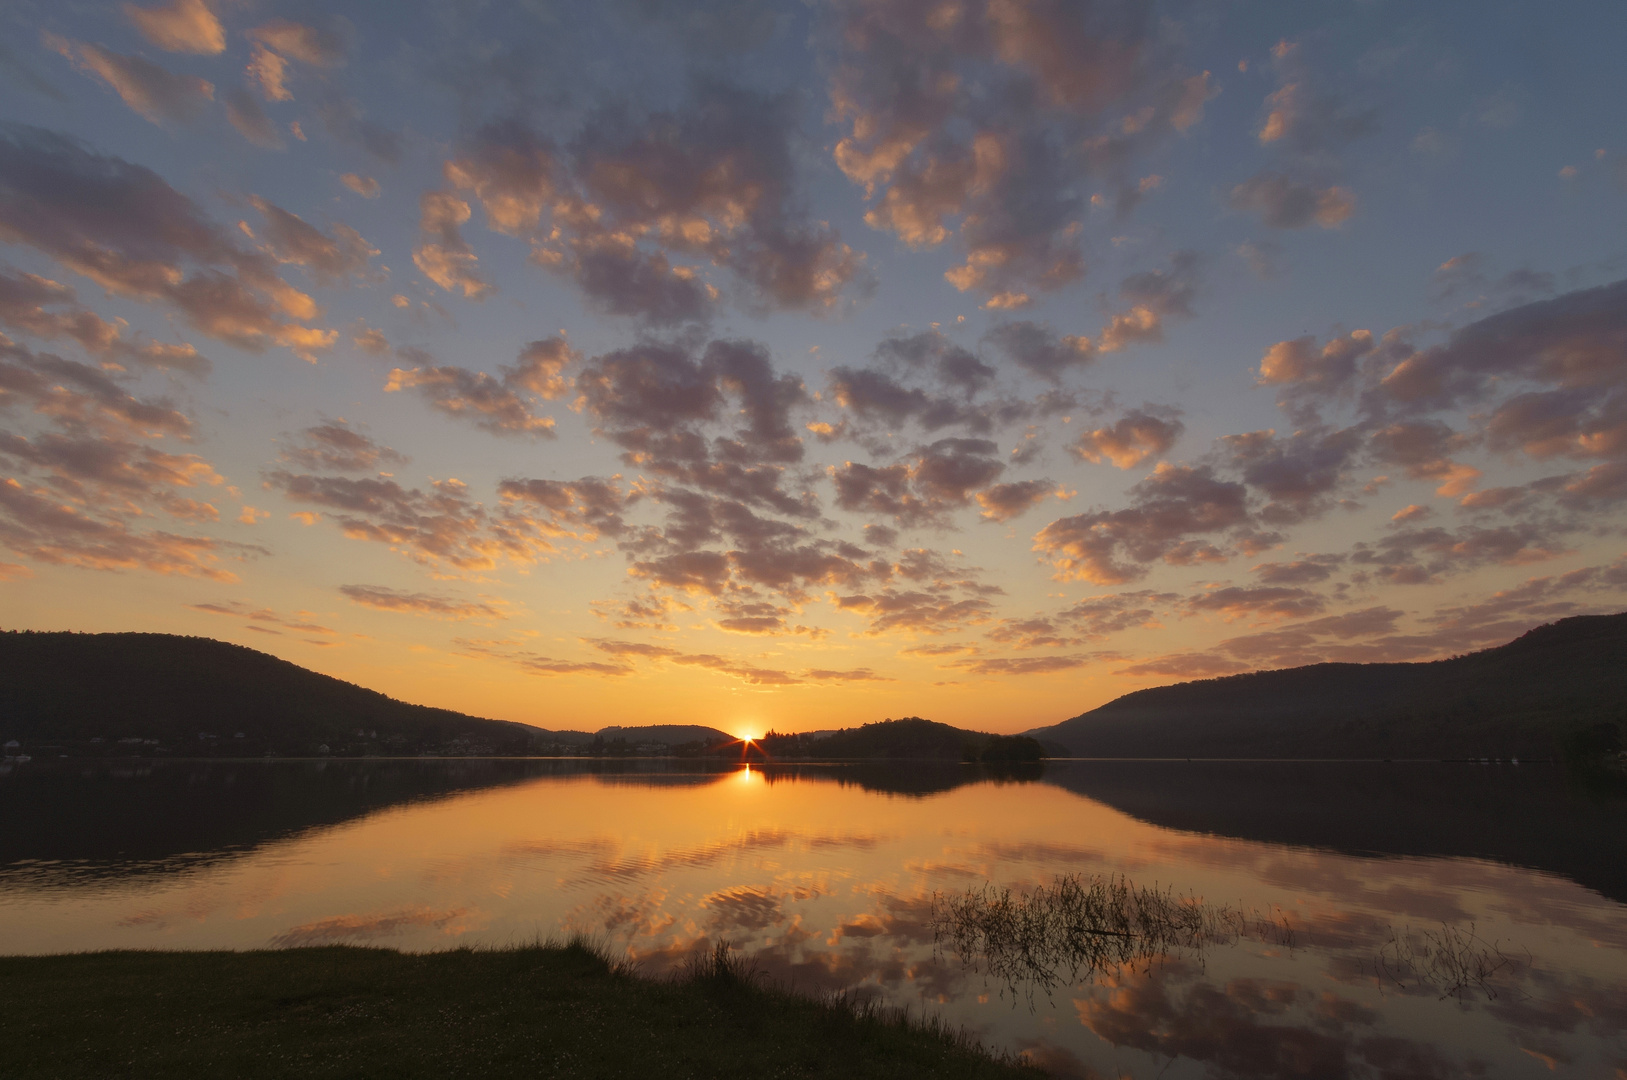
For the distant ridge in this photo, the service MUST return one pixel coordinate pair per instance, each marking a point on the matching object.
(1522, 699)
(193, 695)
(668, 734)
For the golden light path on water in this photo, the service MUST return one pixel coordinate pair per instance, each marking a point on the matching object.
(828, 885)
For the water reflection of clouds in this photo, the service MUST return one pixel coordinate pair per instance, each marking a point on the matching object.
(747, 907)
(654, 862)
(351, 928)
(1269, 1029)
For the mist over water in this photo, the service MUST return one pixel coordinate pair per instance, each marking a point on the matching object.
(1338, 924)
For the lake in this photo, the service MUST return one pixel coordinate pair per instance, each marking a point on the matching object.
(1371, 919)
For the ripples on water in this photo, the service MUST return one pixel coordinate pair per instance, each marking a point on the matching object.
(1274, 920)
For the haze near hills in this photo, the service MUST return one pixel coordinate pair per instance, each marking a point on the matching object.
(1522, 699)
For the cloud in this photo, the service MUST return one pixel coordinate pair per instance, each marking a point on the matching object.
(1418, 556)
(632, 648)
(1007, 502)
(936, 480)
(83, 398)
(1175, 503)
(915, 612)
(498, 404)
(636, 200)
(329, 258)
(1302, 369)
(1098, 617)
(441, 526)
(748, 673)
(344, 120)
(180, 26)
(1149, 298)
(661, 402)
(1306, 571)
(159, 95)
(876, 396)
(36, 524)
(1570, 345)
(1286, 203)
(1037, 349)
(491, 404)
(365, 186)
(444, 256)
(1311, 124)
(938, 599)
(307, 44)
(270, 71)
(1370, 635)
(250, 120)
(93, 475)
(1149, 431)
(1152, 296)
(1299, 472)
(587, 508)
(1467, 275)
(1033, 633)
(1020, 665)
(889, 392)
(123, 227)
(338, 446)
(850, 675)
(931, 352)
(1422, 448)
(238, 609)
(978, 123)
(440, 607)
(1263, 258)
(1270, 601)
(534, 664)
(49, 310)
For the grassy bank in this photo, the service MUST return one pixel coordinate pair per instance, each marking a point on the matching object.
(535, 1012)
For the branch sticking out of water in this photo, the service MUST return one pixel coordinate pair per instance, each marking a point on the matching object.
(1074, 928)
(1452, 960)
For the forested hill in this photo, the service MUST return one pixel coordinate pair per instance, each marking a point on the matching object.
(1524, 699)
(192, 695)
(910, 738)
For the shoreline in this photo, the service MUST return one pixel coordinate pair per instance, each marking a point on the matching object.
(531, 1010)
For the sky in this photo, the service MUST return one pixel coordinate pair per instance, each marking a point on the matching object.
(796, 366)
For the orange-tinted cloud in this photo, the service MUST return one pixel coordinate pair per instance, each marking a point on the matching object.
(180, 26)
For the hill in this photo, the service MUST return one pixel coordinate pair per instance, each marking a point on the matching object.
(1528, 699)
(667, 734)
(911, 738)
(194, 696)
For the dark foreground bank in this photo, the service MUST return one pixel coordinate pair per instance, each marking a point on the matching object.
(532, 1012)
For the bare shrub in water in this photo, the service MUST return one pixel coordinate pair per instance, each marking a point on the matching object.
(1452, 960)
(1074, 928)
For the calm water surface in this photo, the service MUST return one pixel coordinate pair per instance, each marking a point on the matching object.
(826, 876)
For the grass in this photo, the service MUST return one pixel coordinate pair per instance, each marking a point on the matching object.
(536, 1011)
(1075, 928)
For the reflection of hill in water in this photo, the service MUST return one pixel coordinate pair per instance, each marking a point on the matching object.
(81, 823)
(914, 778)
(85, 822)
(130, 817)
(1527, 815)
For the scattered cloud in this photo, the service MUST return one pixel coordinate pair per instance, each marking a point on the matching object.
(417, 603)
